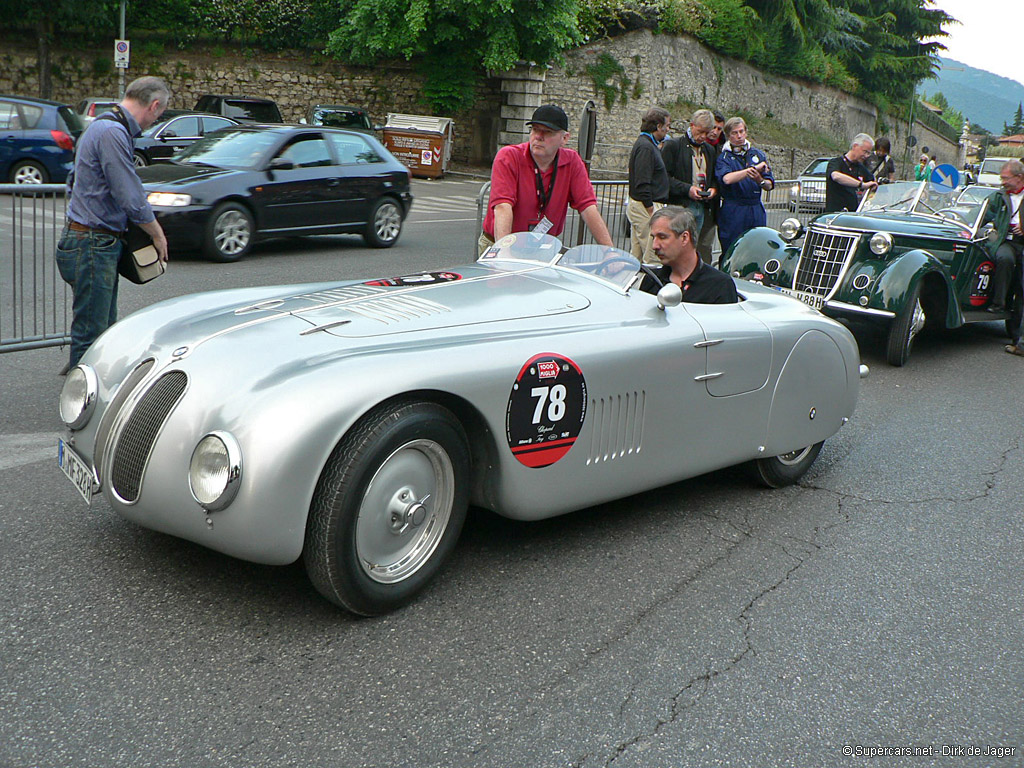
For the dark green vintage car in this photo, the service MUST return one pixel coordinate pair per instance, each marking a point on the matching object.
(911, 255)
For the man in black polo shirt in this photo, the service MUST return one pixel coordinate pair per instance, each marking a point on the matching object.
(674, 231)
(847, 175)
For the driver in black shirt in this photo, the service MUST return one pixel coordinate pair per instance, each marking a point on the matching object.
(674, 233)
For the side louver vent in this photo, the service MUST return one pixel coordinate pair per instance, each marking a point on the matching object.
(618, 426)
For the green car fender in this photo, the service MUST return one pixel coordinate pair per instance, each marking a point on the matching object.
(748, 256)
(901, 275)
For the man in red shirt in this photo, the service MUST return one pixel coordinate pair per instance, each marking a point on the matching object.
(532, 184)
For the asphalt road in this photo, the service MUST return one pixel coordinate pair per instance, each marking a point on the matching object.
(877, 605)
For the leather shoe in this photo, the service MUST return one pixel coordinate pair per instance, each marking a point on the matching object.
(1014, 349)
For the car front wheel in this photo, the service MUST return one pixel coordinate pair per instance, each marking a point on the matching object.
(785, 469)
(29, 172)
(904, 329)
(388, 507)
(139, 159)
(385, 224)
(229, 233)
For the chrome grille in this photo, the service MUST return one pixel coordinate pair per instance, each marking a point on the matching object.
(107, 422)
(135, 442)
(823, 261)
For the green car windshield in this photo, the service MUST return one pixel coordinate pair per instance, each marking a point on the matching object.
(962, 206)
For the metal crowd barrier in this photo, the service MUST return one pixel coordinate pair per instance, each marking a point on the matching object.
(35, 303)
(788, 199)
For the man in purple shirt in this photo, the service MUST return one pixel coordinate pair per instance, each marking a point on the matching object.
(105, 194)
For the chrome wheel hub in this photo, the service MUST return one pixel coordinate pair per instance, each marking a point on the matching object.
(388, 222)
(405, 511)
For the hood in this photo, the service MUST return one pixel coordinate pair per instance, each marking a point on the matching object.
(470, 296)
(164, 175)
(911, 225)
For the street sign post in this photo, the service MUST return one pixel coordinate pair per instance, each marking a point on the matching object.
(122, 51)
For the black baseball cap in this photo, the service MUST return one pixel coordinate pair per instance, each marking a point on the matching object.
(551, 117)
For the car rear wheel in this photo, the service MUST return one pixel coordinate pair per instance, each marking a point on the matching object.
(388, 507)
(29, 172)
(385, 224)
(785, 469)
(229, 233)
(139, 159)
(904, 329)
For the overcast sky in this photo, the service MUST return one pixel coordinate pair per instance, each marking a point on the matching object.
(989, 36)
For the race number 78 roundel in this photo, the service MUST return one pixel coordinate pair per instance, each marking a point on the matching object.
(545, 410)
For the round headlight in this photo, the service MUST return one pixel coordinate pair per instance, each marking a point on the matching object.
(791, 229)
(881, 243)
(78, 396)
(215, 471)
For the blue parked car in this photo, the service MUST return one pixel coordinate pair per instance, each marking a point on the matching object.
(37, 140)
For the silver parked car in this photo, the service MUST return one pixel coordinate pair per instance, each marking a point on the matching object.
(351, 424)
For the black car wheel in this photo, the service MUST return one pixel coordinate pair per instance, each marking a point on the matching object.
(229, 233)
(139, 159)
(29, 172)
(385, 224)
(787, 468)
(388, 507)
(904, 329)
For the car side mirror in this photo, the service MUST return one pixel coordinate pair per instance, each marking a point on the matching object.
(280, 164)
(168, 135)
(670, 295)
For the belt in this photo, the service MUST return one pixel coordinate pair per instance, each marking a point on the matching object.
(74, 225)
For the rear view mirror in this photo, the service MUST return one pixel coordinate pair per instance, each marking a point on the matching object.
(280, 164)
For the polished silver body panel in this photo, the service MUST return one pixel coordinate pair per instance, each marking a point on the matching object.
(288, 370)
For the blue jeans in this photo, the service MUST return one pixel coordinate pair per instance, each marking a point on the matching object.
(88, 263)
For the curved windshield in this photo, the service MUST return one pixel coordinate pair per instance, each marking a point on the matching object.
(230, 149)
(611, 264)
(525, 246)
(960, 206)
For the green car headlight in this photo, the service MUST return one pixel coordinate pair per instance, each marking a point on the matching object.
(78, 396)
(881, 243)
(791, 229)
(215, 471)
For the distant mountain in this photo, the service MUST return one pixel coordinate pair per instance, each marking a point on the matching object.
(985, 98)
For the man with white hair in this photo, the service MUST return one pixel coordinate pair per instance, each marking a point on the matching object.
(847, 175)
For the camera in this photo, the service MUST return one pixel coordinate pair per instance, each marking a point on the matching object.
(704, 192)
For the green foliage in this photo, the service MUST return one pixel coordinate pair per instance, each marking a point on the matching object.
(609, 78)
(454, 42)
(952, 116)
(102, 66)
(1017, 126)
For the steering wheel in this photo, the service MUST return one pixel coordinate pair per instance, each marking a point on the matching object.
(953, 214)
(648, 270)
(602, 267)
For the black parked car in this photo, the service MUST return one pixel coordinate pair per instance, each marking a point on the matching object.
(246, 109)
(37, 140)
(341, 116)
(176, 131)
(254, 181)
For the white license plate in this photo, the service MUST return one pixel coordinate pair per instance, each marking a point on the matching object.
(78, 472)
(813, 300)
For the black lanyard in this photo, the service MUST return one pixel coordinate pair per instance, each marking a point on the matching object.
(544, 197)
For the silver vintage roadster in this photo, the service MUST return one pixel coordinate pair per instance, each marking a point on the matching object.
(351, 424)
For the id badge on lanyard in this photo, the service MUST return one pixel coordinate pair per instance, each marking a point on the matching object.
(544, 224)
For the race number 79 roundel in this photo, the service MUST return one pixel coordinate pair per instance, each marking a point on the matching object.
(545, 410)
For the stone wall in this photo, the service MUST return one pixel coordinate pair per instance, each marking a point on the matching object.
(657, 69)
(295, 82)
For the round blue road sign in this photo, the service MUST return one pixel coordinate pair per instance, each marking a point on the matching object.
(945, 178)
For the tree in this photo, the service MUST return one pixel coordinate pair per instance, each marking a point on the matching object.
(454, 42)
(1017, 126)
(51, 18)
(950, 114)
